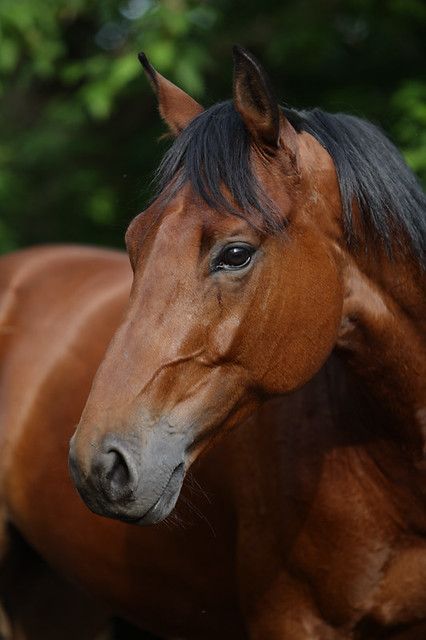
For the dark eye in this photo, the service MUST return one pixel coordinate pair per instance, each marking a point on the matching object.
(233, 257)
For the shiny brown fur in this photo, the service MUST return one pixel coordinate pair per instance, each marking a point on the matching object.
(307, 522)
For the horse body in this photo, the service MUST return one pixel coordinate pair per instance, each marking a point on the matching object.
(308, 520)
(309, 474)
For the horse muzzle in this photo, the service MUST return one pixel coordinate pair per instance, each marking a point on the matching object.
(128, 478)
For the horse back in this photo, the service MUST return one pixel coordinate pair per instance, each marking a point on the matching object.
(59, 307)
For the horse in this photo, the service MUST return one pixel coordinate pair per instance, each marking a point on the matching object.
(249, 381)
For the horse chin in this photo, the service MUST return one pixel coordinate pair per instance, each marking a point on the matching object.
(167, 501)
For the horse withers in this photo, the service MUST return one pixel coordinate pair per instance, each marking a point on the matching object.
(277, 300)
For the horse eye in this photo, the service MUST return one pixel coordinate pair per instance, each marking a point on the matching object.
(234, 257)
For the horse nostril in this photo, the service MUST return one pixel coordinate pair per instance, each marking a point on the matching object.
(117, 474)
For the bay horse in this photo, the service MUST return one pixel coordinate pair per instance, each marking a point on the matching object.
(272, 318)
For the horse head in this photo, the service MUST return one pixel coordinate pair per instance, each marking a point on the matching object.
(237, 294)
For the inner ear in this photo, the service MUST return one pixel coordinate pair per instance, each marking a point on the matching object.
(176, 107)
(255, 100)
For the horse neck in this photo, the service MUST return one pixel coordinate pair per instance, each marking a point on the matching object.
(383, 338)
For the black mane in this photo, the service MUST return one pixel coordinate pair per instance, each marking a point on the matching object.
(214, 152)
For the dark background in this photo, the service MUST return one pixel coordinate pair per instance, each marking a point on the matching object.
(79, 128)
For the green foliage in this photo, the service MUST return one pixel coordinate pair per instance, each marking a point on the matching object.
(410, 103)
(78, 123)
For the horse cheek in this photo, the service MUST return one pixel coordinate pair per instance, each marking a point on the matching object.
(306, 317)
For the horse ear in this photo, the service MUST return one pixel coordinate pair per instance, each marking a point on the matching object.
(176, 107)
(255, 101)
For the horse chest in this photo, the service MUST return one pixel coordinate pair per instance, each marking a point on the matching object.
(358, 549)
(342, 518)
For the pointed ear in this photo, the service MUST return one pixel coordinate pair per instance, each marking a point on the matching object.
(176, 107)
(256, 103)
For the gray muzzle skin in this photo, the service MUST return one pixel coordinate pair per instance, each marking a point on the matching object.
(131, 478)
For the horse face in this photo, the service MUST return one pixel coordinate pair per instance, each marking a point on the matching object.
(221, 315)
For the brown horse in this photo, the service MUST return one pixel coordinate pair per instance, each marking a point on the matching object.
(278, 285)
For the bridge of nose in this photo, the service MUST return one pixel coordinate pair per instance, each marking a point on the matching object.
(163, 321)
(133, 390)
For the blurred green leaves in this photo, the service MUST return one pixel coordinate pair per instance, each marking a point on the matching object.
(409, 102)
(75, 105)
(79, 127)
